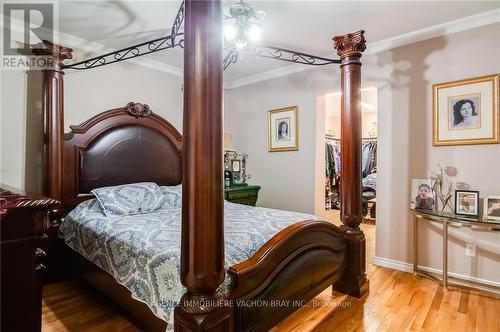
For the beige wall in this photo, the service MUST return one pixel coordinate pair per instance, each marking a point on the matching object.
(406, 151)
(12, 127)
(287, 178)
(332, 123)
(404, 78)
(86, 93)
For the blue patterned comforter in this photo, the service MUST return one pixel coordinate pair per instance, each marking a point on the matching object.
(142, 252)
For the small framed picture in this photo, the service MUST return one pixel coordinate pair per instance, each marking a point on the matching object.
(467, 202)
(422, 195)
(236, 165)
(466, 111)
(492, 207)
(283, 130)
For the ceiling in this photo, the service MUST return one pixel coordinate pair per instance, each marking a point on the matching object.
(299, 25)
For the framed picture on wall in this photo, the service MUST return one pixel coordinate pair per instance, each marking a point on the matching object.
(466, 111)
(283, 129)
(492, 207)
(467, 202)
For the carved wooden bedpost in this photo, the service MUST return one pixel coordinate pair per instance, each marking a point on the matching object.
(202, 248)
(349, 48)
(53, 110)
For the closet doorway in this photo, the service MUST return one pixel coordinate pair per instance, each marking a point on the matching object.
(329, 105)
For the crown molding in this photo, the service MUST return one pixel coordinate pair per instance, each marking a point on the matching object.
(444, 29)
(267, 75)
(95, 48)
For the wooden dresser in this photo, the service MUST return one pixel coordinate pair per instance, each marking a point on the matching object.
(247, 195)
(24, 221)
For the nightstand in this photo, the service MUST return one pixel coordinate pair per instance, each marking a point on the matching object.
(242, 194)
(24, 221)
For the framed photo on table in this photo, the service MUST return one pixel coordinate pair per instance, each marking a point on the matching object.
(466, 111)
(492, 207)
(283, 129)
(467, 203)
(422, 197)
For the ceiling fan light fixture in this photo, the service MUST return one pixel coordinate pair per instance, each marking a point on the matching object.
(254, 32)
(240, 44)
(242, 26)
(230, 31)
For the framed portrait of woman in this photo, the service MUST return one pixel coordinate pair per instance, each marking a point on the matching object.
(466, 111)
(283, 129)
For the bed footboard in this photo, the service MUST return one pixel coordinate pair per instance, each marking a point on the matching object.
(293, 267)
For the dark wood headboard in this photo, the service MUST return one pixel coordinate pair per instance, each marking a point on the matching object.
(122, 145)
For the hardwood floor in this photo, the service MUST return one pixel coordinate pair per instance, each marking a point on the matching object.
(71, 306)
(397, 301)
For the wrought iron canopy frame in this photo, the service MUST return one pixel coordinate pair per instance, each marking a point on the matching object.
(283, 54)
(127, 53)
(176, 39)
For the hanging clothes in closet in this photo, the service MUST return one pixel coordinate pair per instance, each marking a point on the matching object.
(332, 167)
(333, 164)
(369, 160)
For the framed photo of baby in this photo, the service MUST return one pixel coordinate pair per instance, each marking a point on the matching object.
(422, 195)
(283, 129)
(492, 207)
(467, 202)
(466, 111)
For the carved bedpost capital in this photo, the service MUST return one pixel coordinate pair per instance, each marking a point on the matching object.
(57, 52)
(351, 44)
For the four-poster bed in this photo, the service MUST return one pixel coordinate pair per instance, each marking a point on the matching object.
(132, 144)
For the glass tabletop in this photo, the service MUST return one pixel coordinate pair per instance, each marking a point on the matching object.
(458, 218)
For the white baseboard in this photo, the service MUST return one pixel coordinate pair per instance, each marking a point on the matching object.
(407, 267)
(392, 264)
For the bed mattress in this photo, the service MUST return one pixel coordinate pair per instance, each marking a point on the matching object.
(142, 252)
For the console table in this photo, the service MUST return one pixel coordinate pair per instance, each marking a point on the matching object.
(447, 219)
